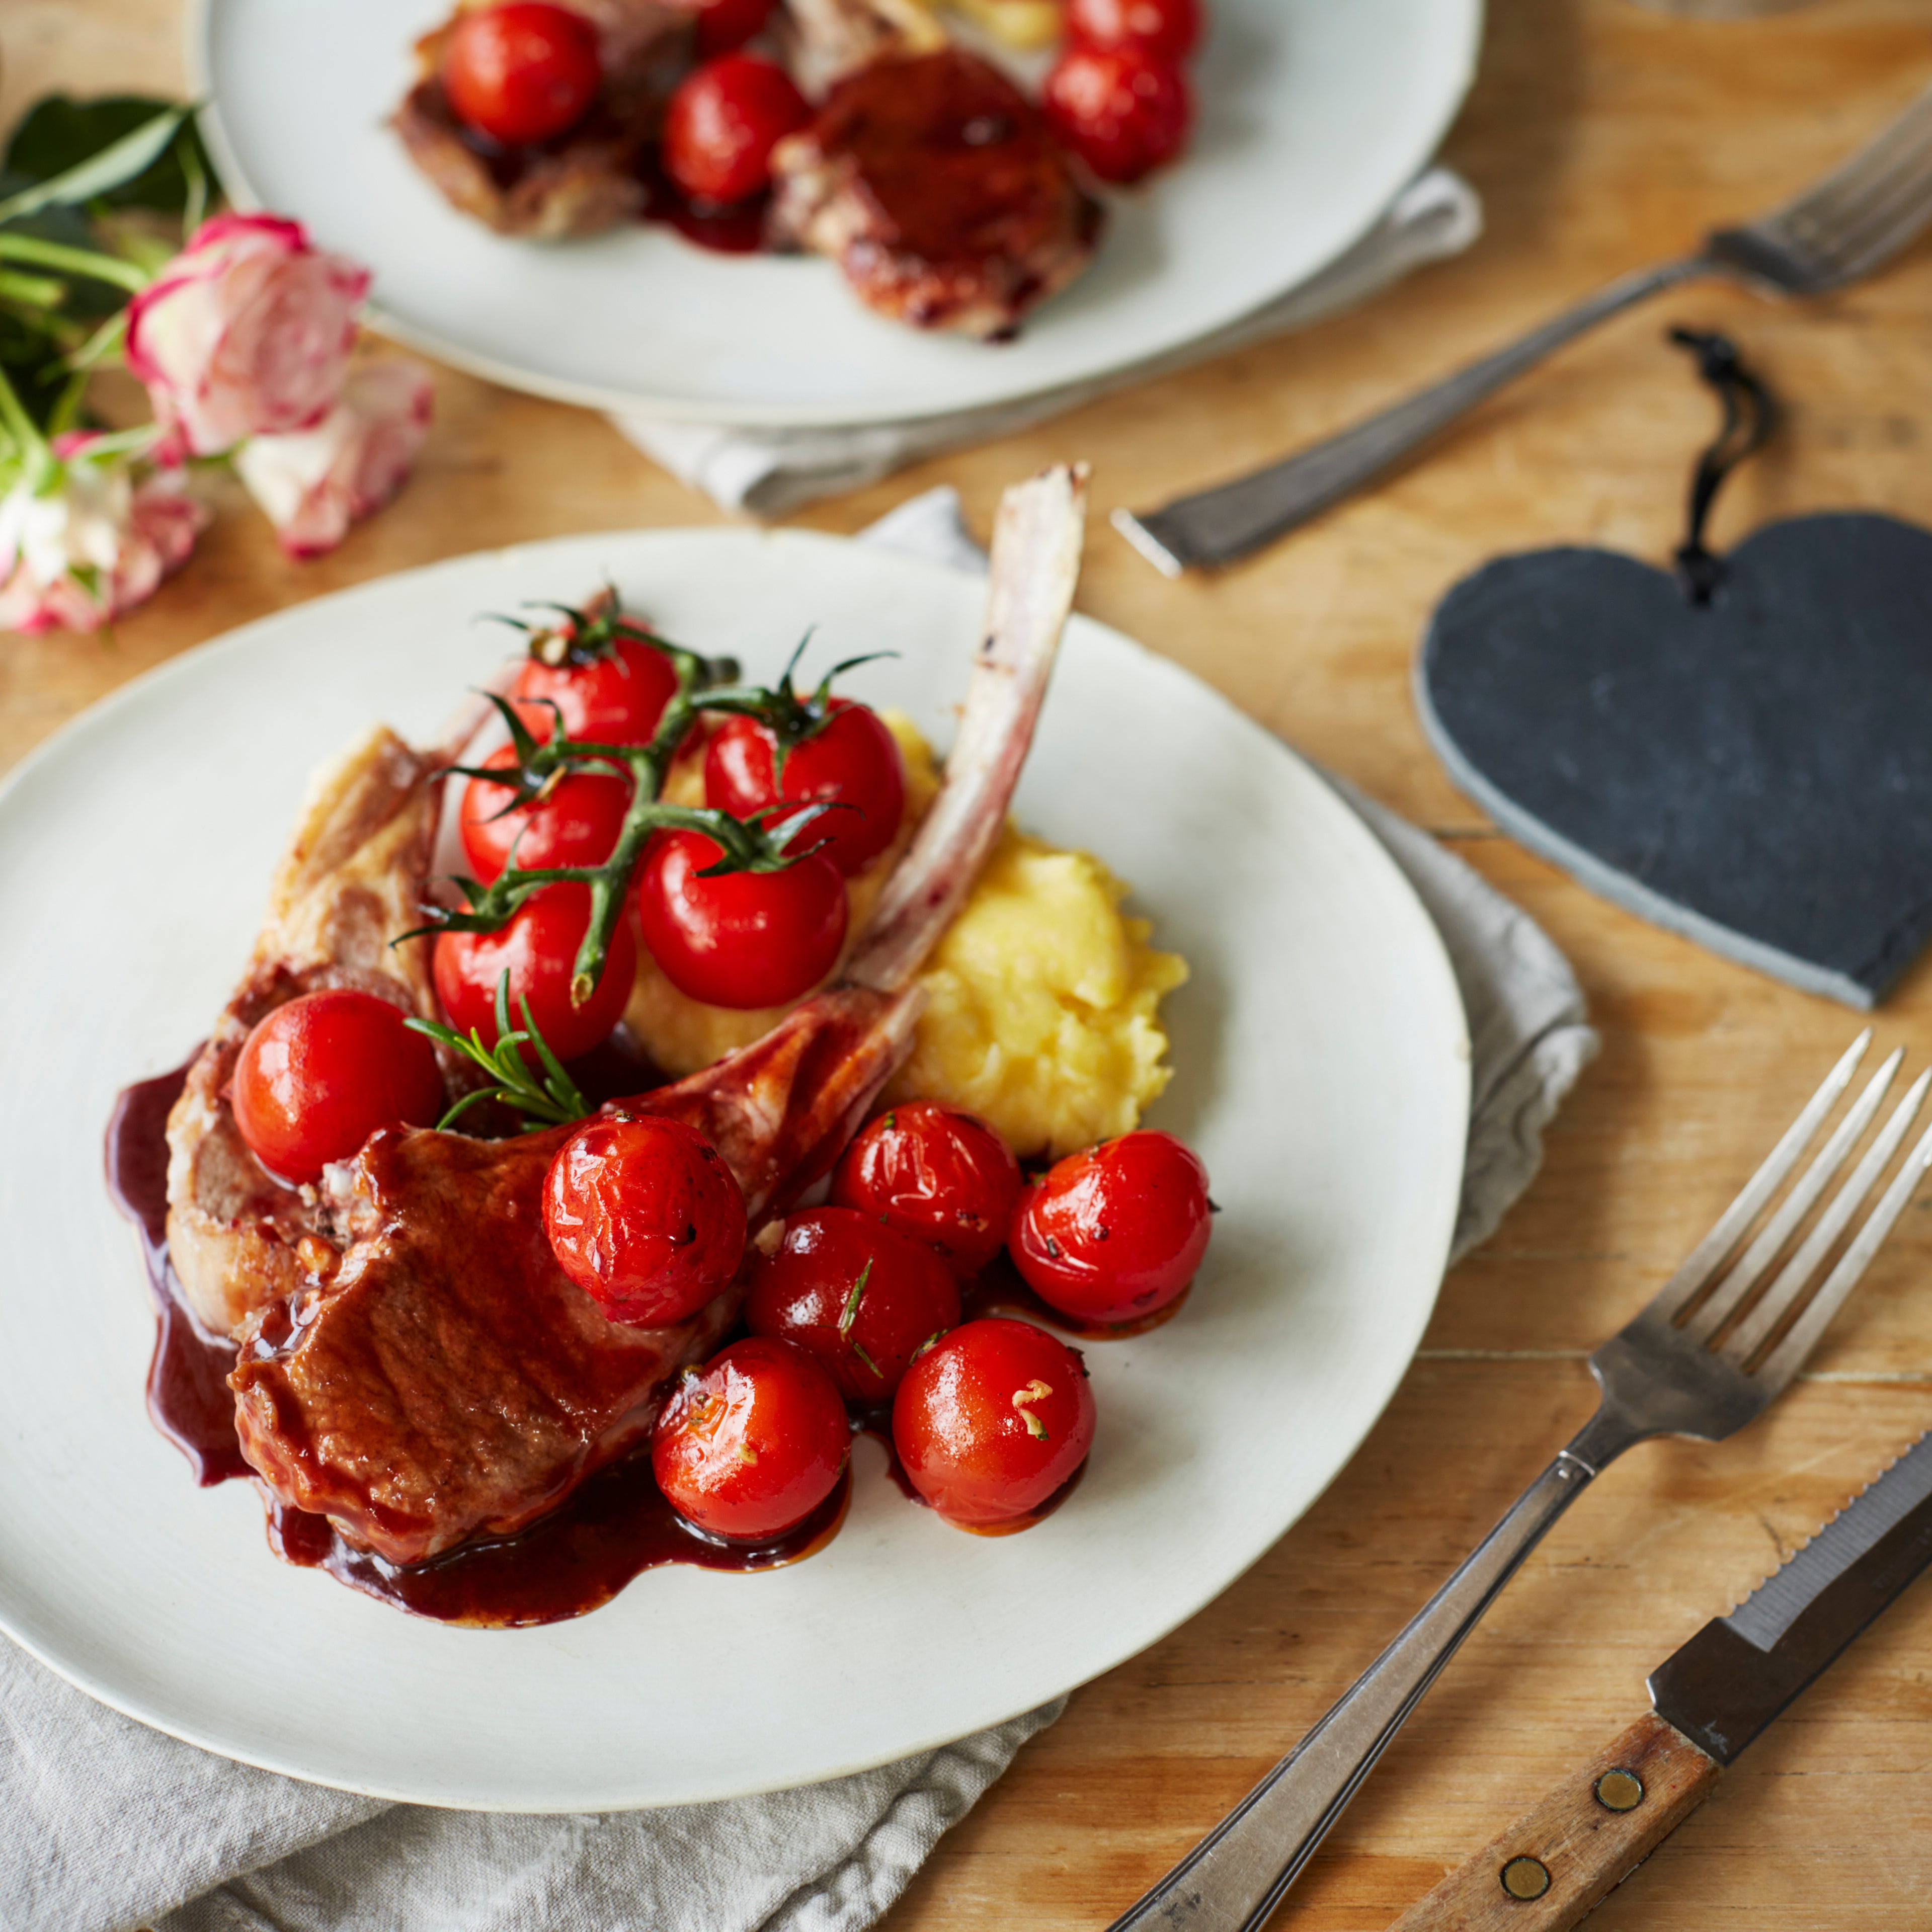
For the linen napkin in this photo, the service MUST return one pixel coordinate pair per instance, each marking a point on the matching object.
(772, 472)
(109, 1826)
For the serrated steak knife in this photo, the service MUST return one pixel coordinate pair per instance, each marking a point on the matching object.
(1707, 1703)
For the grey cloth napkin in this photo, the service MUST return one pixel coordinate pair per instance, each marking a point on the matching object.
(772, 472)
(109, 1826)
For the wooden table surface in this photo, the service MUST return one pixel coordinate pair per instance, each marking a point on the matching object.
(1602, 137)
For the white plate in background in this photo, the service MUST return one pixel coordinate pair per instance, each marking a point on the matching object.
(1314, 114)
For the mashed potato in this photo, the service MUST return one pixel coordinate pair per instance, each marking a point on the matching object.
(1043, 999)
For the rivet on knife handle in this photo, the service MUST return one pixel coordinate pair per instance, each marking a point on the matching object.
(1556, 1862)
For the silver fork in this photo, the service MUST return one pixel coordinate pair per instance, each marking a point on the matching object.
(1846, 226)
(1702, 1359)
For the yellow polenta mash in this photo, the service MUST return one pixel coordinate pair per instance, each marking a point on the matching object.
(1043, 1001)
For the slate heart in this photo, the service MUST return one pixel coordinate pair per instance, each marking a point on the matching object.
(1756, 772)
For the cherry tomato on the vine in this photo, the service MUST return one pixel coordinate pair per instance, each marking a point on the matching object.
(937, 1173)
(1116, 1231)
(523, 72)
(742, 939)
(1168, 29)
(320, 1074)
(618, 699)
(538, 946)
(1123, 111)
(643, 1215)
(576, 823)
(992, 1420)
(749, 1445)
(724, 25)
(723, 123)
(852, 761)
(861, 1298)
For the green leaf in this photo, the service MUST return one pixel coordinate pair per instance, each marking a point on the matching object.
(23, 439)
(91, 262)
(61, 145)
(31, 291)
(31, 368)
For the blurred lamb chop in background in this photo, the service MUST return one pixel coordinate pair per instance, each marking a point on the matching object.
(928, 177)
(587, 180)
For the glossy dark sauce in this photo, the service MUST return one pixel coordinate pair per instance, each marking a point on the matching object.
(188, 1397)
(736, 229)
(611, 1528)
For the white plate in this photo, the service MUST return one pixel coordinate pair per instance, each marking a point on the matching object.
(1322, 1073)
(1315, 113)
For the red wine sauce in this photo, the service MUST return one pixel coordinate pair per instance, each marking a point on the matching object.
(188, 1380)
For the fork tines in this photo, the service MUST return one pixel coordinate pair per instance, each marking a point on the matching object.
(1769, 1334)
(1860, 215)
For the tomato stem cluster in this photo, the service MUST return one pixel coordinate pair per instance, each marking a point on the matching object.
(756, 844)
(791, 719)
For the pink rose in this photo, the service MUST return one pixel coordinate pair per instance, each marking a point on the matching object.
(246, 332)
(317, 482)
(75, 554)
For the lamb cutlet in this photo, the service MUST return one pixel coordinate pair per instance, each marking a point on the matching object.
(350, 884)
(437, 1377)
(940, 191)
(584, 181)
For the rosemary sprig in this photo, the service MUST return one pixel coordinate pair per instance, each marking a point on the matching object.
(756, 844)
(851, 1313)
(550, 1103)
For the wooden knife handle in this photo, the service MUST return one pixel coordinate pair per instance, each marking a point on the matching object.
(1557, 1861)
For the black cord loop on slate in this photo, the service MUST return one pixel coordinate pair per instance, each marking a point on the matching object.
(1750, 415)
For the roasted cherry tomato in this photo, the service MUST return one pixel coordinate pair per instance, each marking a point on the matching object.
(1123, 111)
(742, 939)
(319, 1075)
(937, 1173)
(1115, 1232)
(749, 1445)
(618, 699)
(643, 1215)
(724, 25)
(1168, 29)
(523, 72)
(538, 947)
(852, 761)
(723, 123)
(575, 824)
(862, 1299)
(992, 1420)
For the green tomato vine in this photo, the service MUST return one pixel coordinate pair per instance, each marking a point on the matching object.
(756, 844)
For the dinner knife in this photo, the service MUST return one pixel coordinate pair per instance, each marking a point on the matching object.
(1708, 1702)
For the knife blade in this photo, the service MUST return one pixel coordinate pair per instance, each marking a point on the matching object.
(1707, 1701)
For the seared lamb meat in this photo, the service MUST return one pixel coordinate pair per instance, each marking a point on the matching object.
(440, 1379)
(449, 1380)
(351, 882)
(939, 189)
(586, 179)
